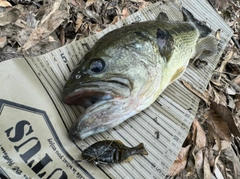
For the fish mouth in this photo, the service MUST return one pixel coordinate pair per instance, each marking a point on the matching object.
(87, 93)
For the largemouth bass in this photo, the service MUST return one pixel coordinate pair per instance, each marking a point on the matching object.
(111, 151)
(129, 68)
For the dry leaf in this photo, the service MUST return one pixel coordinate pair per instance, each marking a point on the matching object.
(199, 163)
(45, 29)
(218, 97)
(206, 166)
(79, 21)
(125, 13)
(237, 103)
(4, 3)
(219, 125)
(200, 140)
(228, 57)
(89, 3)
(231, 102)
(226, 114)
(3, 41)
(8, 17)
(181, 161)
(218, 146)
(204, 97)
(229, 90)
(237, 80)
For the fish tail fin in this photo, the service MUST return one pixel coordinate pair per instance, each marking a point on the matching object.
(206, 47)
(139, 149)
(203, 29)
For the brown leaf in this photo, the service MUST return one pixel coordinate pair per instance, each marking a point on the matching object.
(206, 166)
(219, 125)
(226, 114)
(204, 97)
(199, 163)
(237, 80)
(180, 162)
(200, 140)
(3, 41)
(89, 3)
(46, 28)
(79, 21)
(218, 146)
(8, 17)
(218, 97)
(228, 57)
(125, 13)
(237, 103)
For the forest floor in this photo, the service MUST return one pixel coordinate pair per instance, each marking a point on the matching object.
(211, 149)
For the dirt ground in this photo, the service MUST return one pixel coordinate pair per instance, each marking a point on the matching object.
(211, 149)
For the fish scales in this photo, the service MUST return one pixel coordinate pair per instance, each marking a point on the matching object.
(128, 68)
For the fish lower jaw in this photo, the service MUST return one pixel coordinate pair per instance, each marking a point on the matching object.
(80, 133)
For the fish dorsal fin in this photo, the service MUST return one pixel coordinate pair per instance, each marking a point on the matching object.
(203, 29)
(178, 73)
(165, 43)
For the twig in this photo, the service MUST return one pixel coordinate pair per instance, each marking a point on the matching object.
(235, 42)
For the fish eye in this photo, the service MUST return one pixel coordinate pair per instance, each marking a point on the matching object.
(97, 65)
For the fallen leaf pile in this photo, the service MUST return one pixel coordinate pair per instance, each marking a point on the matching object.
(36, 27)
(211, 150)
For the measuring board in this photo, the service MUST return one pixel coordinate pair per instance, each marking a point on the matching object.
(39, 81)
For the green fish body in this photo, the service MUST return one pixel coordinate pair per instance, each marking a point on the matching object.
(129, 68)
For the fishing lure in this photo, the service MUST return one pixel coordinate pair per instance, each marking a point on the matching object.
(111, 151)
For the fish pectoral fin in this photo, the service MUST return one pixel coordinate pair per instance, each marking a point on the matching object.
(128, 159)
(178, 73)
(165, 43)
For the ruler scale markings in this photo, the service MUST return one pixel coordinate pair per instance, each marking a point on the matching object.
(127, 133)
(165, 123)
(55, 81)
(152, 134)
(55, 95)
(147, 139)
(151, 124)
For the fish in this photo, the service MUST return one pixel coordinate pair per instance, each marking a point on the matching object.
(111, 151)
(128, 68)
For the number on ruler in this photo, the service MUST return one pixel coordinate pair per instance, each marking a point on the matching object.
(187, 115)
(64, 58)
(86, 45)
(176, 138)
(138, 18)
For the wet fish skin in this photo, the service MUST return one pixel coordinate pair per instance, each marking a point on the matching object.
(111, 151)
(128, 69)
